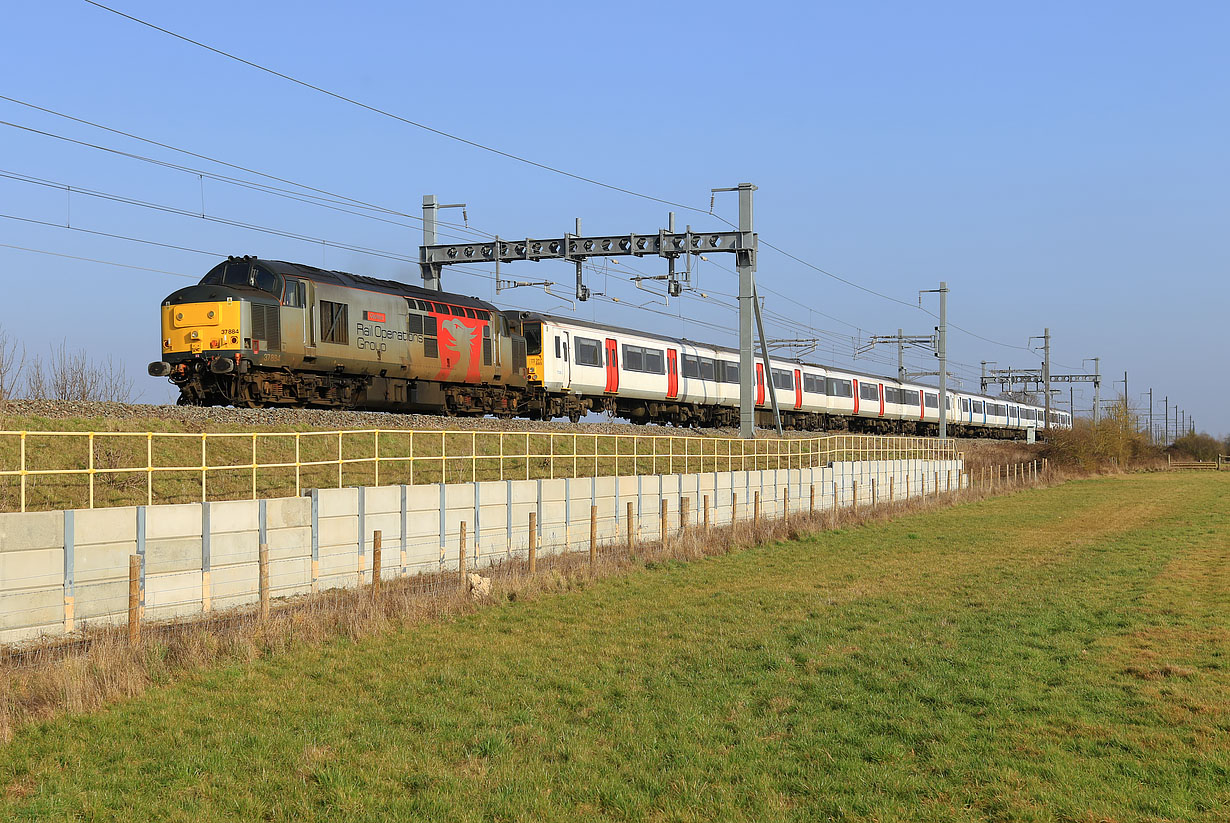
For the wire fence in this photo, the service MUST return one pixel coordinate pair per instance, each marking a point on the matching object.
(47, 470)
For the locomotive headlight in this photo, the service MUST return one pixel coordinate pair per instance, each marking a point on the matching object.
(179, 315)
(166, 344)
(196, 335)
(210, 315)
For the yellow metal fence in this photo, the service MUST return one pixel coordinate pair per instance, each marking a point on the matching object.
(55, 470)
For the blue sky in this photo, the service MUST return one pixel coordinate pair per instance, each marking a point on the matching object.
(1058, 164)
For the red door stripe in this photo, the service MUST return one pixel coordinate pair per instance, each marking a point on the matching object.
(612, 366)
(922, 405)
(856, 397)
(672, 374)
(798, 389)
(881, 399)
(759, 384)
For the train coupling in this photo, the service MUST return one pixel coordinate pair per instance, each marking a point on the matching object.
(159, 368)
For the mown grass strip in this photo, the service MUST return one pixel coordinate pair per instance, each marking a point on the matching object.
(1055, 654)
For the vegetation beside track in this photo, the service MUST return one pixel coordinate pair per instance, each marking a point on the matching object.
(1054, 654)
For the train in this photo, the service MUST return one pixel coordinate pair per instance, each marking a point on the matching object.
(264, 333)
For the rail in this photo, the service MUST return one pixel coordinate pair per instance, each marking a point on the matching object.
(69, 469)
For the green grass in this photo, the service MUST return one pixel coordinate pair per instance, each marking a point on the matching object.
(1060, 654)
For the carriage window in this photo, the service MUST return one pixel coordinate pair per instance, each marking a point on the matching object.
(783, 379)
(729, 371)
(634, 359)
(589, 352)
(909, 397)
(708, 369)
(691, 367)
(892, 395)
(964, 404)
(838, 388)
(655, 362)
(334, 327)
(869, 391)
(932, 400)
(813, 384)
(977, 407)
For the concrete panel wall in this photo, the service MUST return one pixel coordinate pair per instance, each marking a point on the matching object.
(60, 570)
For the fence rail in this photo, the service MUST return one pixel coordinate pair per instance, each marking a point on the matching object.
(67, 469)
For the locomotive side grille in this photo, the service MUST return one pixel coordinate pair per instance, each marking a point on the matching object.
(518, 353)
(267, 325)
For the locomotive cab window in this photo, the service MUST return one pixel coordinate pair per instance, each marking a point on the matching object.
(293, 294)
(589, 352)
(334, 327)
(533, 338)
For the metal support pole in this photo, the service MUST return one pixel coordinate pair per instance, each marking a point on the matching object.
(1152, 433)
(901, 355)
(1097, 386)
(764, 354)
(745, 263)
(1046, 372)
(943, 347)
(431, 275)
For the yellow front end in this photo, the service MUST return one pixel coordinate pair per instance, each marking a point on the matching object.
(200, 328)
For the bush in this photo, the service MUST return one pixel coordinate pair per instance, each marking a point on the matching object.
(1194, 446)
(1115, 442)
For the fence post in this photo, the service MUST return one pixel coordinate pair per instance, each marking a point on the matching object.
(134, 600)
(706, 505)
(685, 505)
(892, 482)
(631, 528)
(533, 548)
(262, 577)
(663, 526)
(786, 503)
(875, 493)
(734, 507)
(377, 553)
(461, 555)
(813, 498)
(593, 536)
(854, 504)
(756, 511)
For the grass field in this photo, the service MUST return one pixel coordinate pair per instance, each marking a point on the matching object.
(1057, 654)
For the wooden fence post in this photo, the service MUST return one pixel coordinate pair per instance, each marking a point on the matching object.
(875, 497)
(663, 526)
(786, 503)
(461, 555)
(756, 511)
(533, 550)
(813, 498)
(854, 504)
(262, 578)
(593, 536)
(134, 600)
(685, 505)
(892, 491)
(377, 556)
(631, 527)
(706, 505)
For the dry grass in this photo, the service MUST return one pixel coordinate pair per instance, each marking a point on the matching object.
(99, 667)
